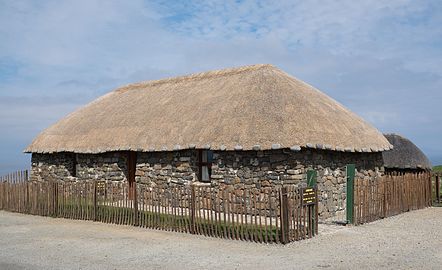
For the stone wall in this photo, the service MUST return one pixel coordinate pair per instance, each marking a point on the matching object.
(263, 169)
(164, 168)
(73, 167)
(56, 166)
(238, 170)
(106, 166)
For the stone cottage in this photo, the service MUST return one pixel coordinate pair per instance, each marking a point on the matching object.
(405, 157)
(248, 127)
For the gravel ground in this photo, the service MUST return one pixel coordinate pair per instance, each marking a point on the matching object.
(408, 241)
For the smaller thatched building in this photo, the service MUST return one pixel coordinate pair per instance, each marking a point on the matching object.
(405, 156)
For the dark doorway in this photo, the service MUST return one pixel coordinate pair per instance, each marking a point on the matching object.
(131, 168)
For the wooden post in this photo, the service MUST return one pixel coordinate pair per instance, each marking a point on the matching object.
(2, 190)
(135, 203)
(192, 210)
(316, 212)
(384, 191)
(312, 176)
(27, 204)
(95, 201)
(437, 188)
(1, 194)
(55, 200)
(350, 168)
(284, 215)
(2, 199)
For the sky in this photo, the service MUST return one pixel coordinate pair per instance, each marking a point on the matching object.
(380, 59)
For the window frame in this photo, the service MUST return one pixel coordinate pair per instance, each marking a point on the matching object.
(202, 164)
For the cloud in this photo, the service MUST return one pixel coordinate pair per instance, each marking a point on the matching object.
(378, 58)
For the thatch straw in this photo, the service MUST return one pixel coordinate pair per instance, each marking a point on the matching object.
(405, 154)
(228, 109)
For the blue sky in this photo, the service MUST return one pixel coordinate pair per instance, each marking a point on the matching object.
(381, 59)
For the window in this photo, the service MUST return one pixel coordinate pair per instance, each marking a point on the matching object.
(205, 158)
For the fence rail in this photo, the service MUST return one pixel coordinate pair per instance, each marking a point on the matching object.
(391, 195)
(267, 215)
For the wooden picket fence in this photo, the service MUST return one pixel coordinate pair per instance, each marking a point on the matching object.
(271, 215)
(390, 195)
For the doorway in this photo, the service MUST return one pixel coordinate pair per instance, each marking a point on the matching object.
(131, 168)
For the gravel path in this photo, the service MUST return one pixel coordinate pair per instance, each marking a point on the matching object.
(408, 241)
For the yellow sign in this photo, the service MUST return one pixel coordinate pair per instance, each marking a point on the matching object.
(308, 196)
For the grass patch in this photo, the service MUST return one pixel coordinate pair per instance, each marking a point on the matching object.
(437, 168)
(205, 226)
(124, 216)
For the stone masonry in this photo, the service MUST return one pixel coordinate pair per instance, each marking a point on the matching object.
(239, 170)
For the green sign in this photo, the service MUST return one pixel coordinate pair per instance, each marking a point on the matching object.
(311, 178)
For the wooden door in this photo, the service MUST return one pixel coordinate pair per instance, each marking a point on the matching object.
(131, 168)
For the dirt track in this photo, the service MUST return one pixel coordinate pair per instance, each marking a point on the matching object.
(408, 241)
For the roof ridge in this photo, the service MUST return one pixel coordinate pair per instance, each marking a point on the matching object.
(397, 135)
(195, 76)
(392, 134)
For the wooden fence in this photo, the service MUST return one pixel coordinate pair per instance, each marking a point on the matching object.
(390, 195)
(268, 215)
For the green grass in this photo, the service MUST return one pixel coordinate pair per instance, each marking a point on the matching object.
(167, 221)
(222, 227)
(124, 216)
(437, 168)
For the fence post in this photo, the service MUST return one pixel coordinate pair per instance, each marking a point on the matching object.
(95, 200)
(284, 215)
(26, 192)
(135, 203)
(350, 172)
(27, 198)
(430, 185)
(316, 211)
(2, 194)
(384, 190)
(6, 193)
(55, 200)
(437, 188)
(312, 176)
(192, 210)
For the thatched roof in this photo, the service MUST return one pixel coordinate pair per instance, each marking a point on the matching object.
(405, 154)
(252, 107)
